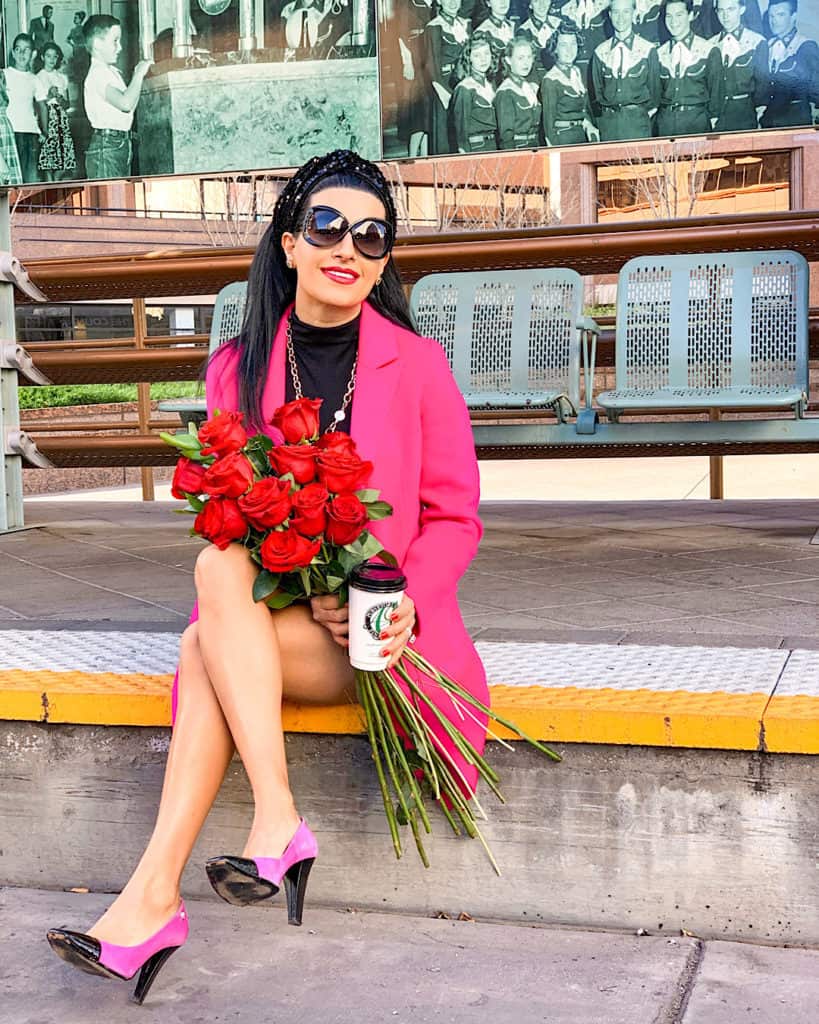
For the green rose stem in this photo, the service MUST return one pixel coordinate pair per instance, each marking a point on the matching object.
(379, 768)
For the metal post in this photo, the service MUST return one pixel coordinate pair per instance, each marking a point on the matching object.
(555, 204)
(182, 45)
(143, 397)
(22, 14)
(715, 465)
(247, 36)
(147, 29)
(11, 466)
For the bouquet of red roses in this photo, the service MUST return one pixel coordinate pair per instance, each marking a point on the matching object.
(302, 510)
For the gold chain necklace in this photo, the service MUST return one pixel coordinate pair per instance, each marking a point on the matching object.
(339, 414)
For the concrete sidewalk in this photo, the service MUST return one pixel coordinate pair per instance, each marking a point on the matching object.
(248, 967)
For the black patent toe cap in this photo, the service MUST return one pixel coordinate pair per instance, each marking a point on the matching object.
(65, 942)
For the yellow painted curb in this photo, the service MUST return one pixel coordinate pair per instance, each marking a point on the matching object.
(679, 718)
(792, 725)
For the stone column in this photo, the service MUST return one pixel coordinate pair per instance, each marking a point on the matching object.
(247, 38)
(22, 13)
(182, 46)
(147, 29)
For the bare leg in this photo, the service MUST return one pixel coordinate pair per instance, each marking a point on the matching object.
(200, 752)
(247, 653)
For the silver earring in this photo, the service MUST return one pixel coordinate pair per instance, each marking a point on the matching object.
(289, 262)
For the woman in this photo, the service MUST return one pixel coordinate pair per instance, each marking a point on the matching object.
(9, 161)
(517, 106)
(327, 317)
(444, 39)
(567, 116)
(474, 122)
(57, 159)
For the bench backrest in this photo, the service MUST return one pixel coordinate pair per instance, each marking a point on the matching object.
(713, 320)
(228, 311)
(505, 331)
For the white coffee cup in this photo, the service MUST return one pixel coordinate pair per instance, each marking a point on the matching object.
(376, 591)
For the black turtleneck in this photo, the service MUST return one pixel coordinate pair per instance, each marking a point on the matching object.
(324, 358)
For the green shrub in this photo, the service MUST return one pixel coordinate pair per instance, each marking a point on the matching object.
(57, 395)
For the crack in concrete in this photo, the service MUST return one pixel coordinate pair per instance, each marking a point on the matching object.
(675, 1013)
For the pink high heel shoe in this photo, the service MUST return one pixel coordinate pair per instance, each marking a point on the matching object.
(243, 881)
(104, 958)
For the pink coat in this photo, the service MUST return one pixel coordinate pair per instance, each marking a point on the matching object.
(410, 420)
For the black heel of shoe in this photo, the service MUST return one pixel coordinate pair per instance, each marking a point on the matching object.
(295, 886)
(147, 975)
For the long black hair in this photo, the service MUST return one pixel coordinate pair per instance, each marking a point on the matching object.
(271, 285)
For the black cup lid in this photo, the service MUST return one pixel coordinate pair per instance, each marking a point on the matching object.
(377, 578)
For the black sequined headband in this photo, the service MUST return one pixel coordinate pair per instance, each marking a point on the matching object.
(315, 170)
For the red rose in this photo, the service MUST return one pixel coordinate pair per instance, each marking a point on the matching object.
(229, 476)
(336, 440)
(223, 434)
(220, 522)
(299, 420)
(298, 459)
(268, 503)
(310, 506)
(346, 518)
(284, 550)
(341, 471)
(187, 478)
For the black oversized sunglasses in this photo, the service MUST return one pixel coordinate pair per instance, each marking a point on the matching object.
(323, 226)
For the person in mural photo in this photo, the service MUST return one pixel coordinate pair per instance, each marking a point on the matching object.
(20, 86)
(327, 318)
(567, 115)
(414, 15)
(791, 82)
(79, 61)
(57, 159)
(41, 31)
(499, 31)
(109, 102)
(474, 121)
(540, 28)
(625, 79)
(517, 105)
(691, 77)
(10, 173)
(442, 43)
(591, 21)
(743, 54)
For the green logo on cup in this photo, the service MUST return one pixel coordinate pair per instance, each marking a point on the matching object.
(377, 618)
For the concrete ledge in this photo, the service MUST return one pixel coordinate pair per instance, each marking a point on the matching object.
(721, 843)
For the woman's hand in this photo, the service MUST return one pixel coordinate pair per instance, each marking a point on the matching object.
(327, 612)
(399, 632)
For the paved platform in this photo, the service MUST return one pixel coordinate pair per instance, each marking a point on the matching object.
(672, 624)
(249, 967)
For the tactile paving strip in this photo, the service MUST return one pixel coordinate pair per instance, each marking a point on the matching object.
(89, 651)
(634, 667)
(726, 698)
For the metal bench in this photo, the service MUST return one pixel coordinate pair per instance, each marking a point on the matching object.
(725, 331)
(513, 337)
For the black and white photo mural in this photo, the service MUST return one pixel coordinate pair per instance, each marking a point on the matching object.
(462, 76)
(131, 88)
(114, 89)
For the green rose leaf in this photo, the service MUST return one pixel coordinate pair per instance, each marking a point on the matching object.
(281, 599)
(367, 495)
(379, 510)
(264, 584)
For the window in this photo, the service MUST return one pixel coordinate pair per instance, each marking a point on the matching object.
(673, 185)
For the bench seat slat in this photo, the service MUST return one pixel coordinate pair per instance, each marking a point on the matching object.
(740, 397)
